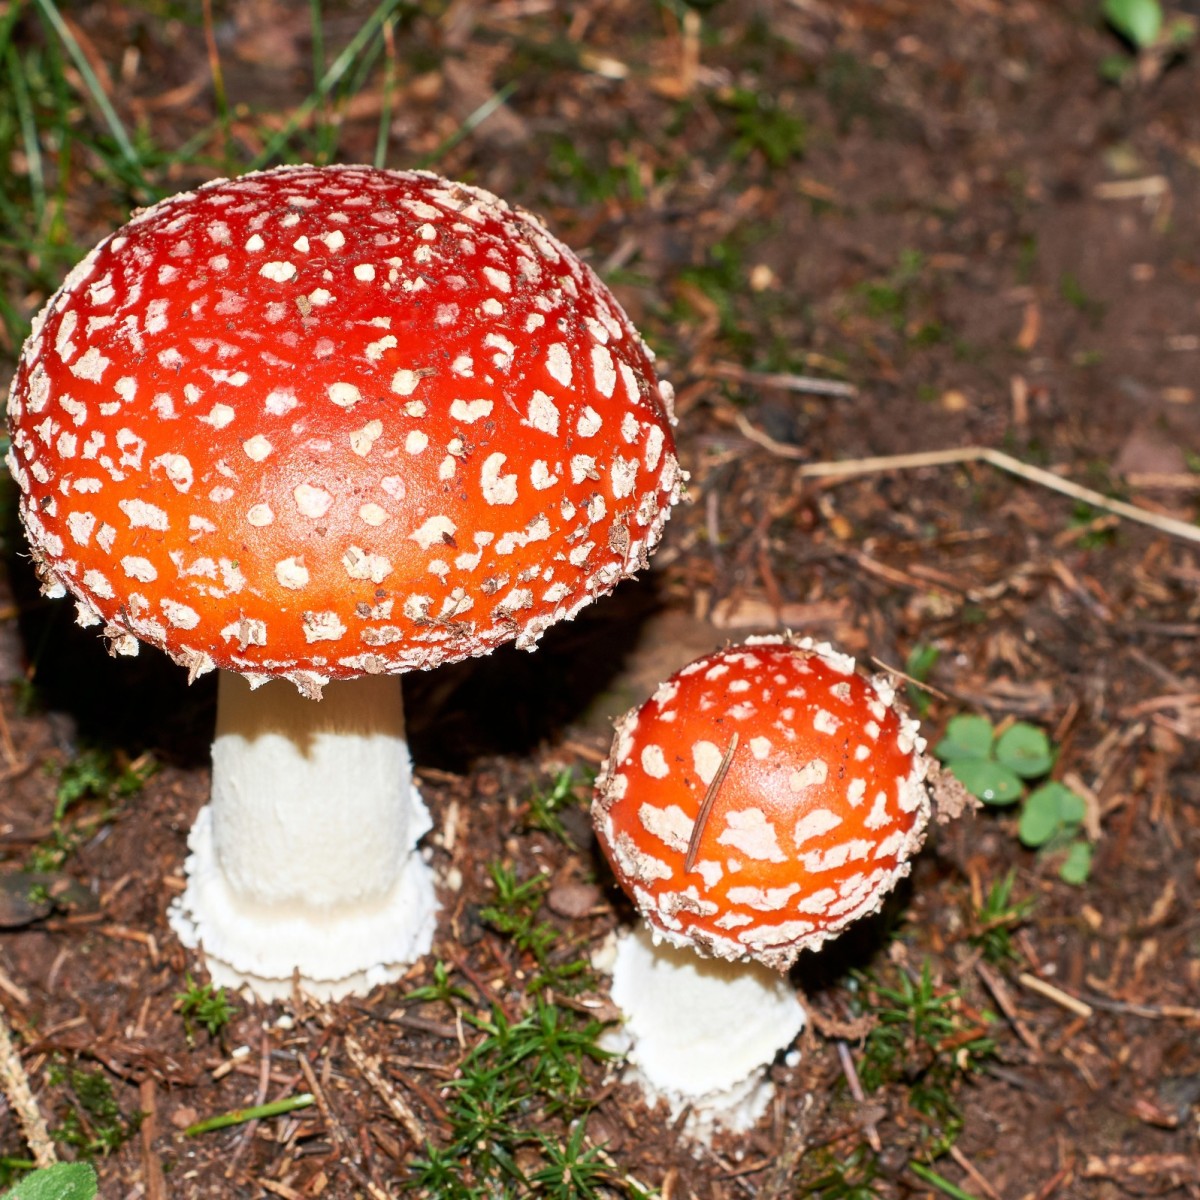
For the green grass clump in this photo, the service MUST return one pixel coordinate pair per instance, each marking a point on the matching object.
(202, 1004)
(926, 1041)
(517, 1110)
(92, 1122)
(547, 804)
(996, 918)
(94, 773)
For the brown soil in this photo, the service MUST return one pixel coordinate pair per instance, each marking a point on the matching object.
(993, 246)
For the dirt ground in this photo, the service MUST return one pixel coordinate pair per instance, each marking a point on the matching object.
(949, 211)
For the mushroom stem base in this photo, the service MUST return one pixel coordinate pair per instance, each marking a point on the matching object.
(304, 867)
(702, 1031)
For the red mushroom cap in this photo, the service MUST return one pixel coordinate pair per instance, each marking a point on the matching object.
(326, 421)
(812, 816)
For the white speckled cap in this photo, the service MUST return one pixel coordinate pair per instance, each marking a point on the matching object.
(320, 422)
(765, 797)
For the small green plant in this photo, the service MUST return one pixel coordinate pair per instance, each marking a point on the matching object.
(573, 1170)
(94, 772)
(512, 1081)
(902, 299)
(440, 990)
(92, 1121)
(514, 914)
(1139, 22)
(762, 126)
(1155, 39)
(997, 770)
(103, 773)
(62, 1181)
(917, 666)
(547, 803)
(514, 910)
(997, 917)
(1074, 293)
(592, 183)
(516, 1112)
(202, 1004)
(1052, 820)
(1091, 536)
(852, 1176)
(994, 768)
(926, 1040)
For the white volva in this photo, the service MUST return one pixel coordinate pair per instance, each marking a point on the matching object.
(305, 861)
(701, 1031)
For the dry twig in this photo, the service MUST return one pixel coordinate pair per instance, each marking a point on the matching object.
(1061, 998)
(368, 1067)
(15, 1084)
(849, 468)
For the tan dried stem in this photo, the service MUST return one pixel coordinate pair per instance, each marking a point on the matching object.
(849, 468)
(15, 1084)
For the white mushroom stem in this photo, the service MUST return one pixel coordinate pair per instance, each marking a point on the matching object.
(304, 864)
(702, 1031)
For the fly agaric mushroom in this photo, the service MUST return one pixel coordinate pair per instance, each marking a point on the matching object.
(765, 797)
(322, 424)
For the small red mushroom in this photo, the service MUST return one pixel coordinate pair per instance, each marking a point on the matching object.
(765, 797)
(324, 423)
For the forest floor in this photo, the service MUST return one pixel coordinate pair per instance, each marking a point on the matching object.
(980, 222)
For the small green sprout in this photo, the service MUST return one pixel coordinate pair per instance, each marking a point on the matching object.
(1052, 819)
(993, 768)
(917, 666)
(514, 911)
(1153, 40)
(97, 771)
(546, 805)
(997, 770)
(762, 126)
(1139, 22)
(997, 917)
(440, 990)
(202, 1004)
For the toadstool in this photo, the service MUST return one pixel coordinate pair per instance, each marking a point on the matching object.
(765, 797)
(330, 425)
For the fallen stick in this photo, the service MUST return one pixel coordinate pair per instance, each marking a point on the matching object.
(15, 1084)
(848, 468)
(1061, 998)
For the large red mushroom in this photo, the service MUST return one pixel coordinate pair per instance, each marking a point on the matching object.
(765, 797)
(330, 425)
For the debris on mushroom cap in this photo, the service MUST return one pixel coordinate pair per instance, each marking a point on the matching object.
(821, 807)
(322, 422)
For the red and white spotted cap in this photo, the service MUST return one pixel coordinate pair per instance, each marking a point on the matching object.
(320, 422)
(762, 799)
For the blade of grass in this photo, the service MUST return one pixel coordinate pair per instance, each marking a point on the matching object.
(935, 1180)
(469, 126)
(239, 1116)
(389, 94)
(8, 22)
(29, 133)
(327, 82)
(220, 97)
(317, 34)
(99, 97)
